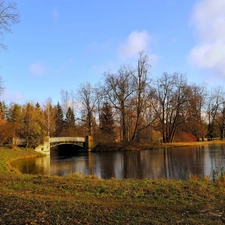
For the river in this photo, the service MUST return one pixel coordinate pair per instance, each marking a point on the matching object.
(176, 163)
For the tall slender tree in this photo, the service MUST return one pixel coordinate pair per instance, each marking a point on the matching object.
(88, 98)
(49, 117)
(141, 84)
(59, 120)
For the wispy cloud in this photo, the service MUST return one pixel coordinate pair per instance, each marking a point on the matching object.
(37, 69)
(55, 14)
(98, 48)
(65, 65)
(208, 19)
(135, 43)
(12, 96)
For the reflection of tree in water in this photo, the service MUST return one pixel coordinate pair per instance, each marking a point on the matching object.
(176, 163)
(132, 165)
(216, 160)
(180, 163)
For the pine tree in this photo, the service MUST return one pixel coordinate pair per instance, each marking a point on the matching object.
(59, 119)
(15, 117)
(107, 123)
(70, 118)
(70, 122)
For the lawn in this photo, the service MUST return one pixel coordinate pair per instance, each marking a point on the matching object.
(27, 199)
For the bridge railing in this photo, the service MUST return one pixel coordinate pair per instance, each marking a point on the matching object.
(66, 139)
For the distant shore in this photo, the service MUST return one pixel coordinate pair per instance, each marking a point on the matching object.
(149, 146)
(197, 143)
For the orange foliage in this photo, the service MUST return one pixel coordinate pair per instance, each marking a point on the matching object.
(184, 137)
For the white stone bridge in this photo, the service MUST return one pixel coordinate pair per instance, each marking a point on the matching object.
(79, 141)
(84, 142)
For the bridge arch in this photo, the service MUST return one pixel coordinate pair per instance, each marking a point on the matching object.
(79, 144)
(79, 141)
(85, 142)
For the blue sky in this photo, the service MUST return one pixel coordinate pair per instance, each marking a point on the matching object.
(60, 44)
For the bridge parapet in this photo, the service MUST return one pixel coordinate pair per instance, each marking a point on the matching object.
(66, 139)
(79, 141)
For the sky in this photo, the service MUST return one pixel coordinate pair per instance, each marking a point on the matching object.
(59, 45)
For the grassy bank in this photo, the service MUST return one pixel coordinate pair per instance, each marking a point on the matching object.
(149, 146)
(199, 143)
(26, 199)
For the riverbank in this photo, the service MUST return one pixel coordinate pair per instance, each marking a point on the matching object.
(149, 146)
(26, 199)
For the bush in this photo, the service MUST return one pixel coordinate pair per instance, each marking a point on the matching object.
(184, 137)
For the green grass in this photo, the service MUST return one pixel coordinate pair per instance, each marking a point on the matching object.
(26, 199)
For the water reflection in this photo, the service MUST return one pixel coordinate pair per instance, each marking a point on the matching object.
(154, 164)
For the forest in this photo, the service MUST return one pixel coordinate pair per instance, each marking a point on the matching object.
(127, 106)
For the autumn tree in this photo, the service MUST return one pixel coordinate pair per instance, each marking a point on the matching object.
(49, 117)
(6, 132)
(33, 129)
(3, 111)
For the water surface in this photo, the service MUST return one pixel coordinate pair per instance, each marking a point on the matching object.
(177, 163)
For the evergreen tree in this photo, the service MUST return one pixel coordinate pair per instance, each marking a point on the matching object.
(37, 106)
(107, 123)
(70, 122)
(59, 120)
(15, 117)
(70, 119)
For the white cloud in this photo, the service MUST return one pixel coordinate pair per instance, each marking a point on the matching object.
(37, 69)
(208, 18)
(135, 43)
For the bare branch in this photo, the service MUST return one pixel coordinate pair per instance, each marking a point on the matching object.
(8, 16)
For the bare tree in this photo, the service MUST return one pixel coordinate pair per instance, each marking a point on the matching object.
(88, 98)
(8, 16)
(119, 89)
(196, 121)
(141, 84)
(217, 111)
(172, 95)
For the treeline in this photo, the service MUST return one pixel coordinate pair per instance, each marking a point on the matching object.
(128, 106)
